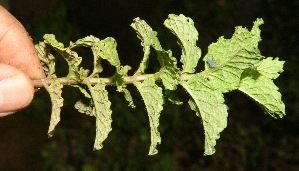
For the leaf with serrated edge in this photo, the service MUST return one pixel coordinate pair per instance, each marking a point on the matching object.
(91, 42)
(169, 72)
(70, 56)
(232, 57)
(47, 59)
(106, 49)
(147, 36)
(55, 90)
(234, 63)
(183, 28)
(87, 41)
(263, 91)
(102, 112)
(153, 99)
(270, 68)
(209, 105)
(98, 106)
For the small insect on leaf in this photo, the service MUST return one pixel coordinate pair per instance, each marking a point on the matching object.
(211, 63)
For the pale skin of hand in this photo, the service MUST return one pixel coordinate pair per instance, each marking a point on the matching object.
(19, 65)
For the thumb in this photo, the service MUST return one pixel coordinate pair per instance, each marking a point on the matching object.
(16, 90)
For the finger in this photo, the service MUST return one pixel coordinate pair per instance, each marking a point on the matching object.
(16, 47)
(16, 90)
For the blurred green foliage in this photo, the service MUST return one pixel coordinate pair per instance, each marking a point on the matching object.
(252, 141)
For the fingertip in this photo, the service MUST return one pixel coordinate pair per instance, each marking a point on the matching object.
(17, 48)
(16, 90)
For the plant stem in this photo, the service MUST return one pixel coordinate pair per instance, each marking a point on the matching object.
(108, 81)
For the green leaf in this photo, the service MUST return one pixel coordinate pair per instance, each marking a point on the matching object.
(106, 49)
(47, 59)
(148, 37)
(121, 84)
(183, 28)
(169, 72)
(230, 64)
(232, 57)
(55, 90)
(127, 96)
(102, 113)
(88, 41)
(83, 90)
(70, 56)
(86, 106)
(173, 97)
(145, 33)
(270, 68)
(153, 99)
(98, 106)
(263, 91)
(209, 105)
(91, 42)
(193, 106)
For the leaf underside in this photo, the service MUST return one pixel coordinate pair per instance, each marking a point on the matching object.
(153, 99)
(55, 90)
(210, 107)
(230, 64)
(183, 28)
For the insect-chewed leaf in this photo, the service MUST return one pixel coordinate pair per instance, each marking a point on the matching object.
(106, 49)
(55, 90)
(209, 105)
(183, 28)
(263, 91)
(101, 110)
(70, 56)
(169, 72)
(148, 38)
(153, 99)
(145, 33)
(270, 68)
(88, 41)
(233, 56)
(91, 42)
(234, 63)
(47, 59)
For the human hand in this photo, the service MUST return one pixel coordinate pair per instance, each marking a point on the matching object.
(18, 65)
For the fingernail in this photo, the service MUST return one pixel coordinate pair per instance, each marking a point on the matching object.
(15, 94)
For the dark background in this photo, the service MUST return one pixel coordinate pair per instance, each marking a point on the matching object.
(251, 141)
